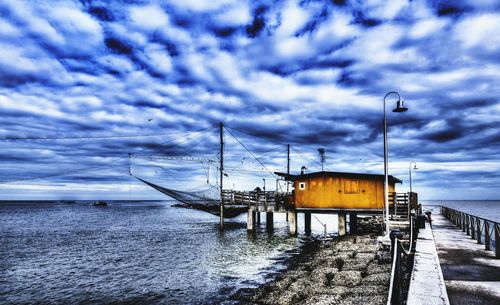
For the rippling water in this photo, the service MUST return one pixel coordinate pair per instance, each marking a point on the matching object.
(136, 252)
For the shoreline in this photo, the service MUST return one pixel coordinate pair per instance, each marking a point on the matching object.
(345, 270)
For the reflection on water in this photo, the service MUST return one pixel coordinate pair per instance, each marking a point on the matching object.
(141, 252)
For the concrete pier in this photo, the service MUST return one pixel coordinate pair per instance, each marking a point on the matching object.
(342, 226)
(427, 285)
(471, 274)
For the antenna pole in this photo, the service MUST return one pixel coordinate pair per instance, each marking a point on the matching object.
(221, 126)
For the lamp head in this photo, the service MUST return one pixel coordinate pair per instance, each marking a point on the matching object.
(400, 107)
(415, 167)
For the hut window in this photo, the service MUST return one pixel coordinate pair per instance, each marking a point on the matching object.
(302, 185)
(351, 186)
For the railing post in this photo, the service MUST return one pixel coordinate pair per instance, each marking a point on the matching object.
(463, 222)
(472, 228)
(487, 239)
(497, 240)
(478, 231)
(467, 222)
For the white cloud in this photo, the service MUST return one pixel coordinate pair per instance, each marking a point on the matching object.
(236, 14)
(479, 31)
(201, 6)
(427, 27)
(149, 17)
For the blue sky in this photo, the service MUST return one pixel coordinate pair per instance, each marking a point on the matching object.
(80, 81)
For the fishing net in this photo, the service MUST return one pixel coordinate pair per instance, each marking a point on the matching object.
(207, 199)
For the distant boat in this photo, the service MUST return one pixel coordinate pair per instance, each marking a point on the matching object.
(100, 203)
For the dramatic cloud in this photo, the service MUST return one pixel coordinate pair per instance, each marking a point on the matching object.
(84, 84)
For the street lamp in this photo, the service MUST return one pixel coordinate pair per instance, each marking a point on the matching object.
(263, 179)
(415, 167)
(399, 108)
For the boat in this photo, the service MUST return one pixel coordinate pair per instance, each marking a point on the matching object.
(100, 203)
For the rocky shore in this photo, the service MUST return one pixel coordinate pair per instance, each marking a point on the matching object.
(348, 270)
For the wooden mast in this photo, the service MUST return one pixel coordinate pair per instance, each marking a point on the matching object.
(221, 168)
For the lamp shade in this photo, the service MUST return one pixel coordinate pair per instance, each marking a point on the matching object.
(400, 107)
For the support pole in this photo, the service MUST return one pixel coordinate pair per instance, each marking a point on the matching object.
(269, 221)
(353, 223)
(288, 172)
(288, 166)
(307, 222)
(251, 220)
(341, 224)
(221, 126)
(258, 217)
(292, 217)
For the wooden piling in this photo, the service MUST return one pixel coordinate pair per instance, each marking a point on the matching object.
(251, 220)
(307, 222)
(341, 230)
(292, 221)
(269, 221)
(353, 223)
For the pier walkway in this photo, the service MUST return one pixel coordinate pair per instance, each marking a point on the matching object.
(471, 274)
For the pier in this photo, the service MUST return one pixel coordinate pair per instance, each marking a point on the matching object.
(471, 273)
(457, 260)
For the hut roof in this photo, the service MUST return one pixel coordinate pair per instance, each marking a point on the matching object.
(290, 177)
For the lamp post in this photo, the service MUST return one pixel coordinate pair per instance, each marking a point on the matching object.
(415, 167)
(399, 108)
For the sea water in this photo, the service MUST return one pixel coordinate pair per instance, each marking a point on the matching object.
(489, 209)
(131, 252)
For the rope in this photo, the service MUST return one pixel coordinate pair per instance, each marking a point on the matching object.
(102, 166)
(307, 159)
(250, 153)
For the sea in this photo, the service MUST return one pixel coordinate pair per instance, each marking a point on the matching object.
(144, 252)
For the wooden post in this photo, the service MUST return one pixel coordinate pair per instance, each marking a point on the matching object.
(307, 222)
(251, 220)
(467, 224)
(269, 221)
(341, 230)
(487, 239)
(258, 217)
(353, 223)
(463, 221)
(292, 217)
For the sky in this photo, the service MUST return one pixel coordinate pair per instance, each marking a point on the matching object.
(91, 91)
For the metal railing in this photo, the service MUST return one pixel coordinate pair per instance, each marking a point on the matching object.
(480, 229)
(397, 286)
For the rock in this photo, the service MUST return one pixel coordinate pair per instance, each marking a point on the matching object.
(347, 278)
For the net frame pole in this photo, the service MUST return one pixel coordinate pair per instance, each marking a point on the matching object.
(221, 127)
